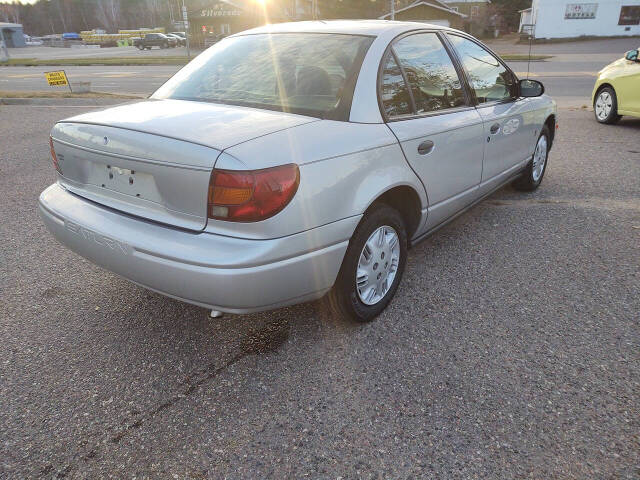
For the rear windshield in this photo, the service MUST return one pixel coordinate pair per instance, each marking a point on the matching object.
(306, 73)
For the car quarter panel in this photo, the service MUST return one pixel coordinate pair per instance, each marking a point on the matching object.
(344, 167)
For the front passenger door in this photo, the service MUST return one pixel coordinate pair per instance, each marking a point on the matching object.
(627, 85)
(508, 129)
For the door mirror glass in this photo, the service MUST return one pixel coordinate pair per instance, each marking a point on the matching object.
(632, 55)
(531, 88)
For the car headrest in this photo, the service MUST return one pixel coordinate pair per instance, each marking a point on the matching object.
(313, 80)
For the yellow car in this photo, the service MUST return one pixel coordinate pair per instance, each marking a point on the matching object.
(617, 90)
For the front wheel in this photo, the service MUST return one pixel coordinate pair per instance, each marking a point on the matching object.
(605, 106)
(373, 266)
(532, 176)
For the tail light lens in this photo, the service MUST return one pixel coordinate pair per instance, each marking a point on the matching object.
(54, 158)
(251, 195)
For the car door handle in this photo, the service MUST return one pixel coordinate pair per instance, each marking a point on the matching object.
(495, 128)
(426, 147)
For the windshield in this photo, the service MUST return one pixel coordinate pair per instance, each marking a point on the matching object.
(306, 73)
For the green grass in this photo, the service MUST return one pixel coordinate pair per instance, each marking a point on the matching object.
(61, 94)
(33, 62)
(523, 57)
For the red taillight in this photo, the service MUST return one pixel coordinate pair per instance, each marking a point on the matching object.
(53, 156)
(251, 195)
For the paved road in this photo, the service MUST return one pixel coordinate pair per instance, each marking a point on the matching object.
(114, 79)
(570, 82)
(511, 351)
(569, 76)
(44, 53)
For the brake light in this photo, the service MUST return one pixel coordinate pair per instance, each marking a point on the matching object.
(251, 195)
(54, 158)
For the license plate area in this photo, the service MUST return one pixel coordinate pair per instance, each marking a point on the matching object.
(127, 181)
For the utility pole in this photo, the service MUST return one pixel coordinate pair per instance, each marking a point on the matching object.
(393, 9)
(185, 22)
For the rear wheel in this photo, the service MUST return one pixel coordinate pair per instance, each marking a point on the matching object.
(373, 266)
(140, 47)
(605, 106)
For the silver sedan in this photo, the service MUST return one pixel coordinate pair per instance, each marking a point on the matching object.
(293, 161)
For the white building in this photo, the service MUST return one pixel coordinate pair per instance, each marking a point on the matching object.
(597, 18)
(525, 20)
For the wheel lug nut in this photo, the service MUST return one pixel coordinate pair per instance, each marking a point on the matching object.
(375, 266)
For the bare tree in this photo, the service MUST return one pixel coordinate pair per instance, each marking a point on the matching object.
(108, 13)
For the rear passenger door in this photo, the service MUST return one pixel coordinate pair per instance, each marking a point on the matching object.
(429, 110)
(508, 130)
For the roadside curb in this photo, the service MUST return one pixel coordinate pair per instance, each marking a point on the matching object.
(65, 101)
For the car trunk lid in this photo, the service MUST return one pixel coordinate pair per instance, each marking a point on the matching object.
(213, 125)
(154, 159)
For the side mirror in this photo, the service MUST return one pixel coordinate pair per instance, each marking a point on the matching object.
(632, 55)
(530, 88)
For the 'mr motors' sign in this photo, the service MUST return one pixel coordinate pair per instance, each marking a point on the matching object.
(581, 11)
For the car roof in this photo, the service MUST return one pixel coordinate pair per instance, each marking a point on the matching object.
(352, 27)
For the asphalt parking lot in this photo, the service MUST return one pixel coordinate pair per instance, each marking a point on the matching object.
(512, 349)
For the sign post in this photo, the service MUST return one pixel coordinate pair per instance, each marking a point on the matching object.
(4, 57)
(57, 79)
(185, 20)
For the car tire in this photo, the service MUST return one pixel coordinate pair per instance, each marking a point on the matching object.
(351, 296)
(605, 106)
(534, 171)
(164, 45)
(140, 47)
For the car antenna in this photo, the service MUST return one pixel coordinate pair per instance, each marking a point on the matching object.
(531, 33)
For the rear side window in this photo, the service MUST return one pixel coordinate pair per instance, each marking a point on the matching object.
(433, 79)
(396, 100)
(488, 78)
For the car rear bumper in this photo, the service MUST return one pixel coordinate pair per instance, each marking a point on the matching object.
(229, 274)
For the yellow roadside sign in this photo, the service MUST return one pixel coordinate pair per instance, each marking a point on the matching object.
(56, 78)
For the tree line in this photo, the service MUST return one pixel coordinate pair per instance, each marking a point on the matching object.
(57, 16)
